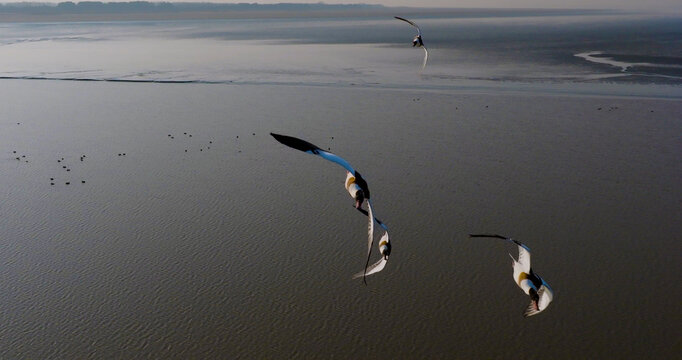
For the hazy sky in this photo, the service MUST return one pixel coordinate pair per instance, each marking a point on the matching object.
(606, 4)
(603, 4)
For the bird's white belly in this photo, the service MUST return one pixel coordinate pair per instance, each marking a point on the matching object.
(351, 186)
(521, 279)
(353, 189)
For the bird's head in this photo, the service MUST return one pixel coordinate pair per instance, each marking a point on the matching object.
(534, 295)
(385, 246)
(359, 198)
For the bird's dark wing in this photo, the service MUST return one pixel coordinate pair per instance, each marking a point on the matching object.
(503, 238)
(309, 148)
(524, 251)
(489, 236)
(419, 31)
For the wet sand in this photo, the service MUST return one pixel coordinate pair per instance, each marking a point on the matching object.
(247, 249)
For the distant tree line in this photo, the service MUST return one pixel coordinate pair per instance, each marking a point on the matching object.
(97, 7)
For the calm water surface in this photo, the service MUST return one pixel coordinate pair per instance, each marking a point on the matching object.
(246, 249)
(349, 51)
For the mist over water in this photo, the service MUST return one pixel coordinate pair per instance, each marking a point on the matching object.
(186, 231)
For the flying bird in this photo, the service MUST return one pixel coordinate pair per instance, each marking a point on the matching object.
(417, 41)
(532, 284)
(359, 190)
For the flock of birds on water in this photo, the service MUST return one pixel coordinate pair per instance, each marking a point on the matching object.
(531, 283)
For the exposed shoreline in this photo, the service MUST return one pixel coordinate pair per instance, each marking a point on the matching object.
(588, 90)
(600, 57)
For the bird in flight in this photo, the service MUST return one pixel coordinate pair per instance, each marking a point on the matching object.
(359, 190)
(417, 41)
(532, 284)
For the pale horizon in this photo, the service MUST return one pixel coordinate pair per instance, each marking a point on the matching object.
(652, 5)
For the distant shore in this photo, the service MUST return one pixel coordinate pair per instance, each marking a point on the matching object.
(139, 11)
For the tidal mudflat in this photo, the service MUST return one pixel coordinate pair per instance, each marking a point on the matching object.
(176, 250)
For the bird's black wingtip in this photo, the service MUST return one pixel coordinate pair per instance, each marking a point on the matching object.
(295, 143)
(280, 138)
(489, 236)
